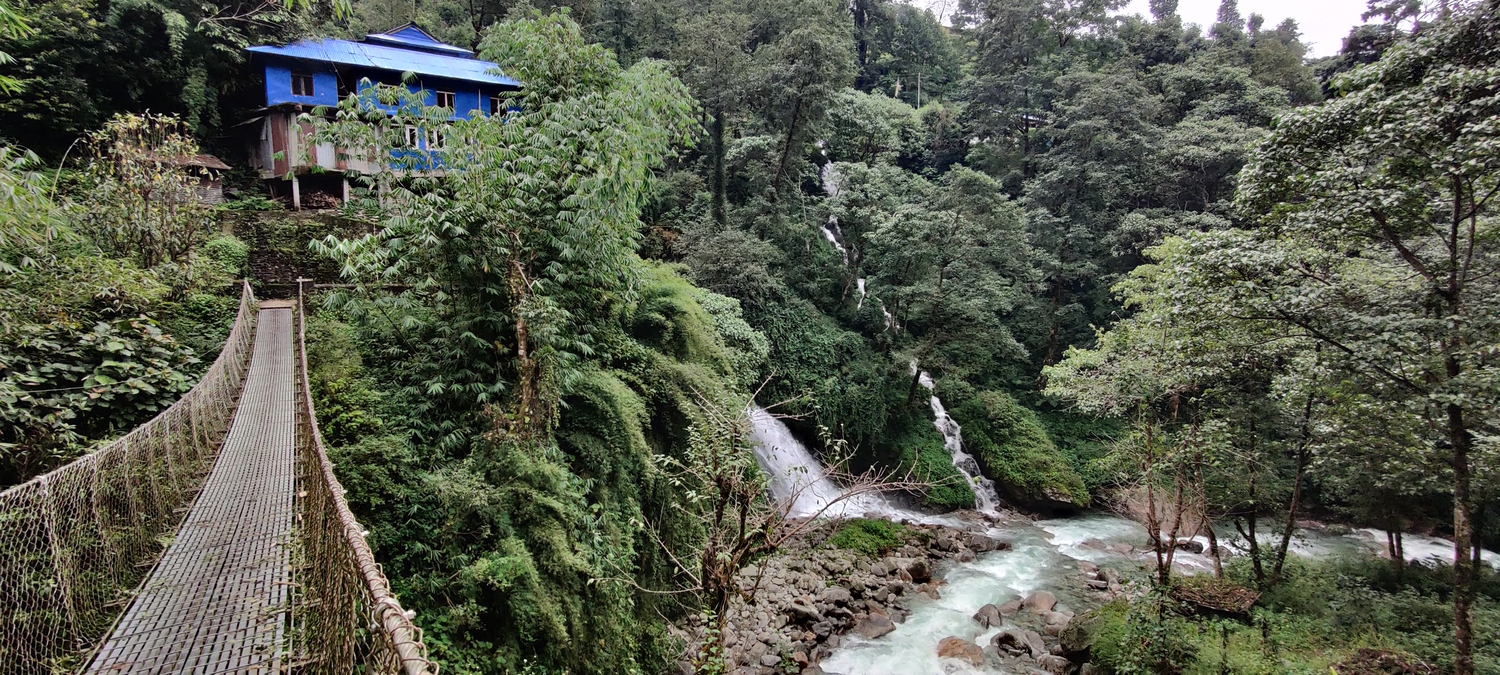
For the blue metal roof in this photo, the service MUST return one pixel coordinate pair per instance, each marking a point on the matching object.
(411, 36)
(395, 59)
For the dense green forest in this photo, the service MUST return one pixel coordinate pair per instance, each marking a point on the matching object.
(1182, 273)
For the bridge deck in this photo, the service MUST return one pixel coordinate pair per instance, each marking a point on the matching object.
(217, 601)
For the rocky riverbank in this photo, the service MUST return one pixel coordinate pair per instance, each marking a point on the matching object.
(802, 603)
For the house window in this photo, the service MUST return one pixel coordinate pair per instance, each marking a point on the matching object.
(445, 100)
(435, 138)
(411, 136)
(497, 105)
(302, 84)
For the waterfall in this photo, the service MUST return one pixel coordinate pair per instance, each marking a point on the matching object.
(796, 476)
(985, 497)
(861, 284)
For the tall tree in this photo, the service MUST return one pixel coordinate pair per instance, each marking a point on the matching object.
(1377, 209)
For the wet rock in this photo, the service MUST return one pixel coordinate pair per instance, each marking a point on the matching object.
(1110, 575)
(1055, 618)
(920, 571)
(815, 670)
(1190, 546)
(1085, 669)
(1010, 641)
(984, 544)
(1035, 644)
(1098, 584)
(959, 648)
(1040, 602)
(1096, 544)
(1087, 567)
(1056, 665)
(965, 556)
(875, 626)
(1122, 549)
(1010, 608)
(770, 660)
(988, 616)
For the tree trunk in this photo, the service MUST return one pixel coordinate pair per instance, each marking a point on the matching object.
(786, 150)
(1463, 562)
(716, 180)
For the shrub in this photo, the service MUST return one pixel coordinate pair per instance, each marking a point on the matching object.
(930, 462)
(231, 254)
(1014, 450)
(869, 536)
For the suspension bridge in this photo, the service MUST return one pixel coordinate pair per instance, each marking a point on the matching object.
(214, 538)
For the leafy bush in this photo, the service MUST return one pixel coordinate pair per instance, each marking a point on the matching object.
(869, 536)
(61, 383)
(930, 462)
(231, 254)
(1014, 450)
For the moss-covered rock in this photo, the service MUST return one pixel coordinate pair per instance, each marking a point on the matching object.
(1013, 449)
(925, 457)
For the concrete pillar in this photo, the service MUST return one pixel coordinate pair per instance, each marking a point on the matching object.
(296, 193)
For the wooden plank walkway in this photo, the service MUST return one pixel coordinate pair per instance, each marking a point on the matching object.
(217, 600)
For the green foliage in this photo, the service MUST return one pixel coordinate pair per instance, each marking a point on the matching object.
(1014, 450)
(143, 196)
(869, 536)
(62, 383)
(923, 454)
(231, 254)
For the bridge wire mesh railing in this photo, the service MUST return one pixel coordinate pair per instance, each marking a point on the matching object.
(76, 541)
(345, 615)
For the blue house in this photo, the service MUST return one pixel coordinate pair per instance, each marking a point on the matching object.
(310, 73)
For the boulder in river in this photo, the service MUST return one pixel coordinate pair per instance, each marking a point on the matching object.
(959, 648)
(875, 626)
(1190, 546)
(1040, 602)
(1010, 607)
(983, 544)
(1035, 644)
(920, 571)
(1056, 665)
(1010, 641)
(988, 616)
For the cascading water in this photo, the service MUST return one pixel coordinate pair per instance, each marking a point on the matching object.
(860, 282)
(985, 497)
(831, 231)
(797, 477)
(793, 472)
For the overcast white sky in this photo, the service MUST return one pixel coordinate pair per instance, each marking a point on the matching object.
(1324, 23)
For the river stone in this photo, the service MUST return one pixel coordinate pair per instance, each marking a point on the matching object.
(1010, 640)
(1010, 608)
(1056, 665)
(1055, 618)
(1109, 574)
(803, 612)
(1035, 644)
(988, 616)
(874, 626)
(920, 571)
(959, 648)
(1190, 546)
(965, 556)
(814, 670)
(984, 544)
(837, 596)
(1040, 601)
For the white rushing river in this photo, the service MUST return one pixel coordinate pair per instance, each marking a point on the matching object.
(1044, 555)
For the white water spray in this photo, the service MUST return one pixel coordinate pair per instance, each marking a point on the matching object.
(985, 497)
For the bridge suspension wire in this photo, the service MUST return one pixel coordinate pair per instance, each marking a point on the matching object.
(344, 611)
(75, 541)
